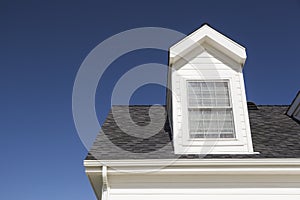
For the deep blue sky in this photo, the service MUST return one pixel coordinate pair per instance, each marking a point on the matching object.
(43, 44)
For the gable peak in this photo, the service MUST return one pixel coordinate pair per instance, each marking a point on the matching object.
(208, 36)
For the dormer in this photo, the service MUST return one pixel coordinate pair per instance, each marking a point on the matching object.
(294, 109)
(207, 101)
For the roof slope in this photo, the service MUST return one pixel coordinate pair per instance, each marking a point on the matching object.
(274, 135)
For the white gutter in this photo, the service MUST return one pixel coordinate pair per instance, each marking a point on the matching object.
(207, 166)
(193, 162)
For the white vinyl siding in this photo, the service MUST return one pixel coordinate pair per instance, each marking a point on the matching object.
(209, 110)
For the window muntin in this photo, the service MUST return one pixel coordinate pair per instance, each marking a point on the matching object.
(209, 110)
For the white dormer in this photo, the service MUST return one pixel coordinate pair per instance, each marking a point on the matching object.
(294, 109)
(208, 105)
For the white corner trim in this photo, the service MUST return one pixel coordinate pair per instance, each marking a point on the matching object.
(246, 114)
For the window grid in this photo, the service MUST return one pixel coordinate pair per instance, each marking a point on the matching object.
(209, 110)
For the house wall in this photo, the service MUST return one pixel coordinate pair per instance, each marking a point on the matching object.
(200, 186)
(203, 63)
(191, 179)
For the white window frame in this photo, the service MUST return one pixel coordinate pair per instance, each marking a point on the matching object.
(206, 107)
(187, 141)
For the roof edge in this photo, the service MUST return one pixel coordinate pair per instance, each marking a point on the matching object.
(206, 34)
(193, 162)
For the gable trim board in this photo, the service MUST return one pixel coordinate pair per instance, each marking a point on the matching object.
(206, 34)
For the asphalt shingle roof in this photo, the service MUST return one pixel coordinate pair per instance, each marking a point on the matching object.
(274, 135)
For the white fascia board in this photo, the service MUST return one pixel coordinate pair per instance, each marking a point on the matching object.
(211, 166)
(212, 37)
(95, 164)
(187, 166)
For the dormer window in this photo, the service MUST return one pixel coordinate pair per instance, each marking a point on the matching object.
(208, 100)
(210, 109)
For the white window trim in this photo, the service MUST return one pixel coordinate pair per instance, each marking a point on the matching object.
(205, 107)
(187, 141)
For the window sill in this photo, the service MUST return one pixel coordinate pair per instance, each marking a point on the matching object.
(214, 142)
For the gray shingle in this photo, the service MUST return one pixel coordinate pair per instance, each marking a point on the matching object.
(274, 135)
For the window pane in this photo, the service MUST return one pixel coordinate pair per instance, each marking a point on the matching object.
(210, 111)
(211, 123)
(222, 102)
(208, 94)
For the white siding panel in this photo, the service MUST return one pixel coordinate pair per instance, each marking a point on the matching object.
(205, 60)
(212, 187)
(221, 196)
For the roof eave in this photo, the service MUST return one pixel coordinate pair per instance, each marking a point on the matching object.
(208, 166)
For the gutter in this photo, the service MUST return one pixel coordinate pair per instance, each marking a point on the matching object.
(201, 162)
(188, 166)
